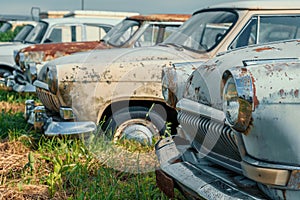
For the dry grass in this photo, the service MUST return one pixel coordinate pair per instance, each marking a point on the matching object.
(32, 192)
(13, 160)
(120, 159)
(11, 107)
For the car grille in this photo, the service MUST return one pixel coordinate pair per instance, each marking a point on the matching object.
(49, 100)
(220, 135)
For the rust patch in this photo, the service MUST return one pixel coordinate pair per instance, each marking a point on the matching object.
(294, 182)
(210, 67)
(255, 100)
(263, 49)
(296, 93)
(165, 183)
(281, 92)
(55, 50)
(162, 17)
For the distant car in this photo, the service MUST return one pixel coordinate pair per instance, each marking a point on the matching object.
(21, 35)
(123, 86)
(238, 135)
(134, 31)
(54, 30)
(19, 24)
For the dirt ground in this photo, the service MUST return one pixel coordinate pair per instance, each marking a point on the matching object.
(13, 159)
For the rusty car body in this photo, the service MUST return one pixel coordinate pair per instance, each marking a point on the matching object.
(238, 133)
(120, 86)
(134, 31)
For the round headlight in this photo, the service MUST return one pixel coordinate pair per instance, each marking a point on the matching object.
(230, 101)
(237, 102)
(52, 79)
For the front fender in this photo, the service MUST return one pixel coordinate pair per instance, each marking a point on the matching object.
(273, 135)
(174, 80)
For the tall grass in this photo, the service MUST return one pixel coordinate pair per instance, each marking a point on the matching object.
(65, 164)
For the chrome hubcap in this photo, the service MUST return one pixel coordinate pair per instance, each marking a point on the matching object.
(139, 130)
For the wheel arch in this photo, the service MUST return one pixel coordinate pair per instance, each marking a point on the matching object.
(159, 106)
(7, 67)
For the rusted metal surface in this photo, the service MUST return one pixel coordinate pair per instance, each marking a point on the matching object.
(165, 183)
(274, 133)
(263, 49)
(55, 50)
(162, 17)
(294, 181)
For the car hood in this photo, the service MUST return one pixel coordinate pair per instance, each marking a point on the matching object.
(99, 65)
(8, 49)
(51, 51)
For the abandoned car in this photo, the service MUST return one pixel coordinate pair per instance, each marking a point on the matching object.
(134, 31)
(60, 30)
(238, 136)
(120, 86)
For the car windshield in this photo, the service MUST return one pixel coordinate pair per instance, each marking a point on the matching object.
(204, 30)
(36, 34)
(23, 33)
(122, 32)
(5, 27)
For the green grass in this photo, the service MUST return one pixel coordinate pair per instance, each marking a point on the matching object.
(15, 97)
(66, 165)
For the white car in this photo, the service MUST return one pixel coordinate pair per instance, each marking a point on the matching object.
(54, 30)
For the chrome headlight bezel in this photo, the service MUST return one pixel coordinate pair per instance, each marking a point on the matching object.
(237, 95)
(24, 59)
(51, 78)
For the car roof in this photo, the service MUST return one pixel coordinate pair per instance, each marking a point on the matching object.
(98, 20)
(162, 17)
(260, 5)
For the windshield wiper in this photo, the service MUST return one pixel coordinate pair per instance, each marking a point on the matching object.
(28, 42)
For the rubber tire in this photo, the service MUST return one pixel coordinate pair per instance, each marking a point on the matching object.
(3, 71)
(134, 112)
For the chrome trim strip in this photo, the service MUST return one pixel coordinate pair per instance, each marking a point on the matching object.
(41, 84)
(200, 109)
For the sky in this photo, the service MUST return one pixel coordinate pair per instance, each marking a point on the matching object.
(23, 7)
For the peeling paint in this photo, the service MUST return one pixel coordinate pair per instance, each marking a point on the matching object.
(162, 17)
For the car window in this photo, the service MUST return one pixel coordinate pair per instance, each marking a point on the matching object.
(36, 35)
(96, 32)
(5, 27)
(23, 33)
(263, 29)
(168, 30)
(204, 30)
(122, 32)
(65, 33)
(149, 36)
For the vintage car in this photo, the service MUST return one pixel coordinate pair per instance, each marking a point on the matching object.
(134, 31)
(53, 30)
(22, 34)
(238, 136)
(123, 86)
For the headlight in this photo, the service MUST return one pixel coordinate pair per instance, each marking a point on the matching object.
(237, 101)
(231, 103)
(51, 79)
(23, 59)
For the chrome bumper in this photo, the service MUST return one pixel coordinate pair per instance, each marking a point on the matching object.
(22, 81)
(199, 177)
(36, 115)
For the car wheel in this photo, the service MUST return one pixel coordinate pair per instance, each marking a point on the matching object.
(135, 123)
(3, 71)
